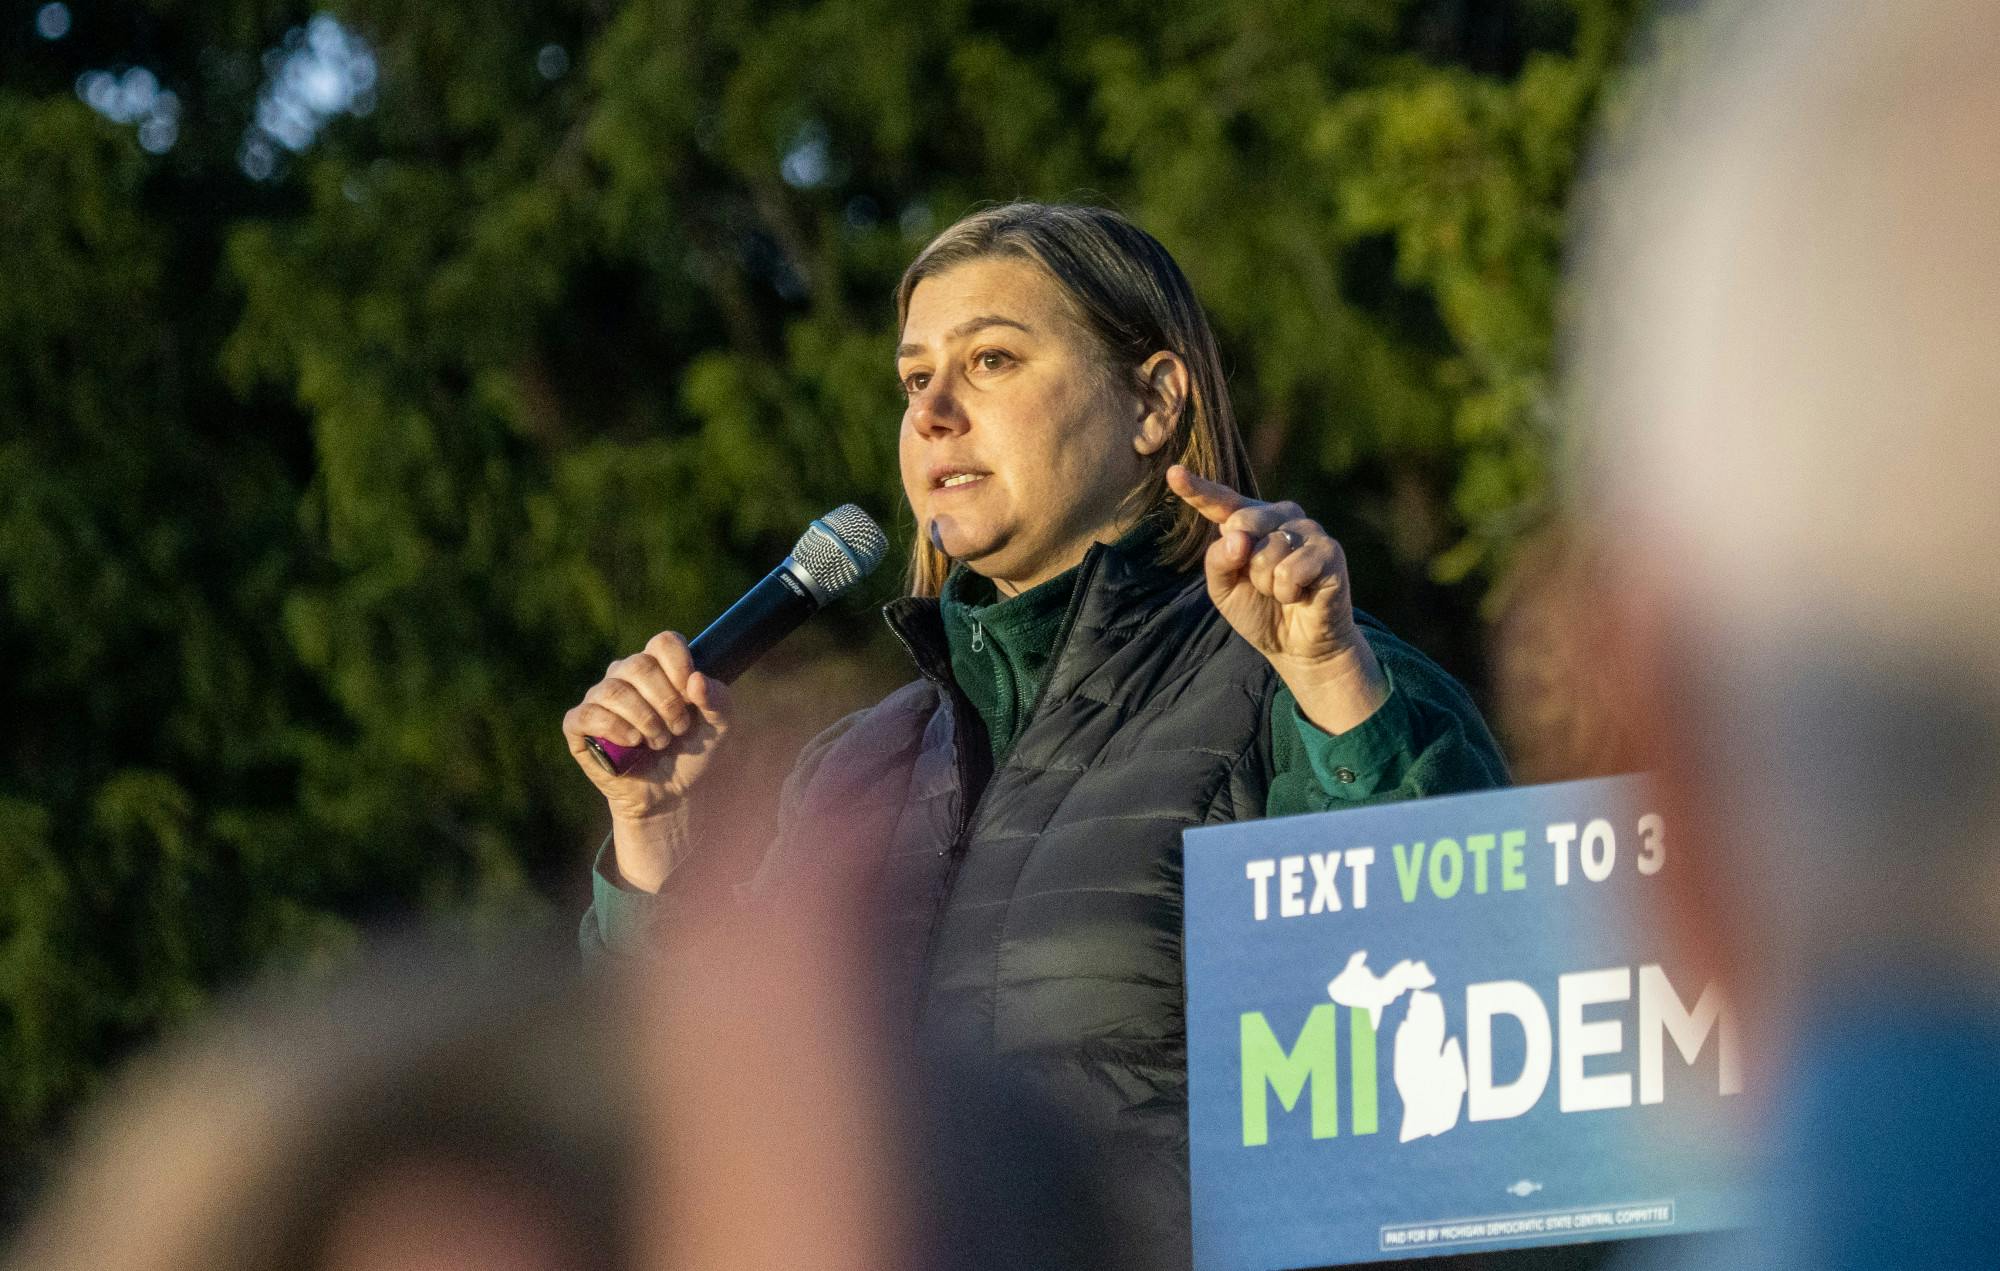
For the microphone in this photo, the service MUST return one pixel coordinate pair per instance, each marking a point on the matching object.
(836, 552)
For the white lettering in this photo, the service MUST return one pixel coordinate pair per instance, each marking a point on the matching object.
(1291, 883)
(1652, 843)
(1358, 860)
(1661, 1015)
(1259, 872)
(1600, 850)
(1484, 1100)
(1560, 838)
(1579, 1040)
(1326, 868)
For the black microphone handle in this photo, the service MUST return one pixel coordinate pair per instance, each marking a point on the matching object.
(766, 614)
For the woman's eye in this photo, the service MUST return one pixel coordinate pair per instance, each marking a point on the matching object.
(990, 359)
(914, 382)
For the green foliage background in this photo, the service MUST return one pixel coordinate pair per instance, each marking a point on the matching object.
(323, 495)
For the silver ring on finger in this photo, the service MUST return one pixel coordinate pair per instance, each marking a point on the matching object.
(1293, 539)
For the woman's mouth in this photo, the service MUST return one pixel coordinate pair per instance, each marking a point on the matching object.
(957, 480)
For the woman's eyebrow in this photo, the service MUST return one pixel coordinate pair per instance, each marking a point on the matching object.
(966, 328)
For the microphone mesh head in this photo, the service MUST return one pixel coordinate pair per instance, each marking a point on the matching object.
(840, 549)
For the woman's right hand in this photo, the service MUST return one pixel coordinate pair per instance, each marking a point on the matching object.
(655, 700)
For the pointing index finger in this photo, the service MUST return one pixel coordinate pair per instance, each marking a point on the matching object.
(1214, 500)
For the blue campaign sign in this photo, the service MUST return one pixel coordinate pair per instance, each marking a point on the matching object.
(1447, 1026)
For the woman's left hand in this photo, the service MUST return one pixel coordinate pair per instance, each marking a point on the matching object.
(1280, 580)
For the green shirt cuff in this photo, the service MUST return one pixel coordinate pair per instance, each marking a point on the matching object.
(619, 910)
(1368, 758)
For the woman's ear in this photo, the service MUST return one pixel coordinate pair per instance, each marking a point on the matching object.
(1163, 395)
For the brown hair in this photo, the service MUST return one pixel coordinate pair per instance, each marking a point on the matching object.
(1133, 299)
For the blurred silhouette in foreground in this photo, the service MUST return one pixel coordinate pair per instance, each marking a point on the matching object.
(1788, 386)
(436, 1107)
(792, 1130)
(729, 1104)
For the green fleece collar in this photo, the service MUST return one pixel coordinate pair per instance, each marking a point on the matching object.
(1001, 649)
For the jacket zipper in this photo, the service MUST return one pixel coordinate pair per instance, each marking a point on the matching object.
(954, 852)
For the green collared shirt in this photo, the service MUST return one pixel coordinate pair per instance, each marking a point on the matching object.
(1001, 650)
(1426, 739)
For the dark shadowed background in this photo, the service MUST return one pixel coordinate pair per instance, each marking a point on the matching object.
(371, 376)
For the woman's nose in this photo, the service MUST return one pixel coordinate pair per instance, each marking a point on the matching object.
(935, 412)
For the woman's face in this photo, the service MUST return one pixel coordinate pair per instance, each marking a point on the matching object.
(1018, 446)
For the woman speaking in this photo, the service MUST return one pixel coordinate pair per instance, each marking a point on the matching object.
(1115, 640)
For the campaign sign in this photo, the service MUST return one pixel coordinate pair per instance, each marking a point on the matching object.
(1449, 1026)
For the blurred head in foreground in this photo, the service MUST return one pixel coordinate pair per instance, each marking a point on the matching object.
(1788, 381)
(437, 1107)
(446, 1105)
(791, 1130)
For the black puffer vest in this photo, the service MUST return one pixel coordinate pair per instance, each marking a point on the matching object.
(1036, 910)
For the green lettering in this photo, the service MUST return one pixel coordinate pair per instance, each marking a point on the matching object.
(1512, 845)
(1442, 851)
(1409, 869)
(1479, 845)
(1361, 1069)
(1267, 1063)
